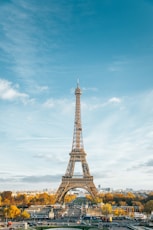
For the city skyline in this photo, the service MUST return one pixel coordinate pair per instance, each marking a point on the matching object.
(45, 48)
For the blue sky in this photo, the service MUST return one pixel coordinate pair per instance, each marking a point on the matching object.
(45, 46)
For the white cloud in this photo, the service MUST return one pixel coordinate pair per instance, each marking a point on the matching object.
(122, 139)
(50, 103)
(9, 92)
(114, 100)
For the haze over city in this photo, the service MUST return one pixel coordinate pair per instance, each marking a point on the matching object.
(45, 46)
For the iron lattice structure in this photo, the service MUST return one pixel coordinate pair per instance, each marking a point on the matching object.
(77, 154)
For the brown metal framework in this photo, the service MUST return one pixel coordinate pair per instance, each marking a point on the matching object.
(70, 181)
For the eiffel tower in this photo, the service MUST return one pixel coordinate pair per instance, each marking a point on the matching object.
(77, 154)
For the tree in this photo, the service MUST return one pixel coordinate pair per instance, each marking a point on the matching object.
(139, 205)
(122, 203)
(109, 197)
(129, 198)
(6, 202)
(69, 197)
(25, 215)
(43, 198)
(6, 197)
(130, 195)
(119, 212)
(148, 207)
(13, 212)
(52, 199)
(118, 197)
(89, 197)
(21, 199)
(98, 200)
(106, 209)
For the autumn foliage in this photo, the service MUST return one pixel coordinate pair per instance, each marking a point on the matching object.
(15, 206)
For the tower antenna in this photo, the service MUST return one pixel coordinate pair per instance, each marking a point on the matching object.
(77, 82)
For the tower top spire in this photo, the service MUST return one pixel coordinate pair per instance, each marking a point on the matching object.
(78, 90)
(78, 83)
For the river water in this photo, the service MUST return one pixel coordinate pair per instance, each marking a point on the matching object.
(113, 228)
(68, 228)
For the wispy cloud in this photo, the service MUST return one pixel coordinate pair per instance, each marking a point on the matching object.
(143, 165)
(51, 157)
(118, 65)
(123, 141)
(63, 105)
(94, 89)
(41, 88)
(9, 92)
(40, 179)
(96, 103)
(31, 179)
(67, 106)
(149, 163)
(20, 44)
(50, 103)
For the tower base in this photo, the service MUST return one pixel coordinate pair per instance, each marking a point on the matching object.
(69, 183)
